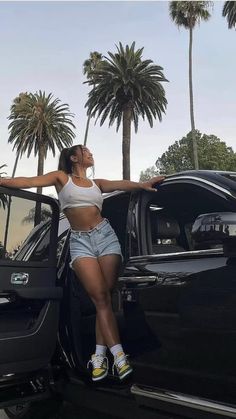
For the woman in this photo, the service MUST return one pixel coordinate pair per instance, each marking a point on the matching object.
(94, 247)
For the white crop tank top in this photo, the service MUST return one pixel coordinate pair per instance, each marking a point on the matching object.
(72, 195)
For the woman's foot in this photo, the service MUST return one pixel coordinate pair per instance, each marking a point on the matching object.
(99, 367)
(122, 365)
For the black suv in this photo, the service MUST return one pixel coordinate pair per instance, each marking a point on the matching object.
(175, 303)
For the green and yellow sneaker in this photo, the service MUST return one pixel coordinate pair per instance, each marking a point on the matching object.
(122, 365)
(99, 367)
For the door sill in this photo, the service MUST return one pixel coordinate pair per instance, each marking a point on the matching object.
(173, 401)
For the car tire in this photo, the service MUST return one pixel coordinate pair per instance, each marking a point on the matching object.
(44, 409)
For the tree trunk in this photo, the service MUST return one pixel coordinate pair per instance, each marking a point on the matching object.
(40, 166)
(195, 153)
(126, 142)
(86, 130)
(9, 206)
(37, 217)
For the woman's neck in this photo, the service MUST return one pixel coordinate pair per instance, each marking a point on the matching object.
(80, 173)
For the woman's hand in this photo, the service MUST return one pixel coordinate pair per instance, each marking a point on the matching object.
(148, 185)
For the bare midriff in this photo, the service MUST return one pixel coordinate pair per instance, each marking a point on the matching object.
(83, 219)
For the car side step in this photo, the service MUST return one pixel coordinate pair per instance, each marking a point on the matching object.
(173, 401)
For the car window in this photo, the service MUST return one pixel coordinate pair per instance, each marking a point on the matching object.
(21, 222)
(171, 214)
(37, 247)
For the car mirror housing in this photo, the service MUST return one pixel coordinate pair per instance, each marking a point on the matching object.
(216, 228)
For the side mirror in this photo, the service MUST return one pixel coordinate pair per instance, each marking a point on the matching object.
(216, 228)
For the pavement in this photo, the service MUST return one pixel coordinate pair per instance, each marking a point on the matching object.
(2, 415)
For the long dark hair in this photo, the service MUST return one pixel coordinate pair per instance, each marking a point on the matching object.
(65, 162)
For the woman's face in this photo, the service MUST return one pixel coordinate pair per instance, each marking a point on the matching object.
(84, 157)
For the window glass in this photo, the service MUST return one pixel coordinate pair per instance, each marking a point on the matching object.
(22, 222)
(171, 214)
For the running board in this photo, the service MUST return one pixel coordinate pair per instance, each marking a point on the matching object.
(165, 399)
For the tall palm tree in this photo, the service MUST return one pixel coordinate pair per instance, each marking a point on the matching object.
(89, 66)
(188, 14)
(229, 11)
(126, 88)
(39, 123)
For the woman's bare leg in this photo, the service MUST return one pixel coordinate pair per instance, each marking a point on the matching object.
(110, 266)
(91, 276)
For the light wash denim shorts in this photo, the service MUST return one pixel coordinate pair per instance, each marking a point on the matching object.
(100, 241)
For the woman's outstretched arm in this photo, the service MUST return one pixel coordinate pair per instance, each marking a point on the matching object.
(50, 179)
(127, 185)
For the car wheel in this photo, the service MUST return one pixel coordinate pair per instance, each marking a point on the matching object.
(46, 409)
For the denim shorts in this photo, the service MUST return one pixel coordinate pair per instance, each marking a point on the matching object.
(100, 241)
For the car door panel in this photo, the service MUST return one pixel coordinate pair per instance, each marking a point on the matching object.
(188, 313)
(188, 333)
(29, 297)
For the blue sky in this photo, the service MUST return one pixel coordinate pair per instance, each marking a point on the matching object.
(44, 44)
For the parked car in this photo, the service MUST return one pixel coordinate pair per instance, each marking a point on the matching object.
(175, 303)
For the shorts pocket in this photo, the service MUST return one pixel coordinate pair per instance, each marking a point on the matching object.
(107, 231)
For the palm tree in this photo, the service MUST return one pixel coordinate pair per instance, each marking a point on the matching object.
(46, 214)
(39, 123)
(229, 11)
(89, 66)
(127, 87)
(187, 14)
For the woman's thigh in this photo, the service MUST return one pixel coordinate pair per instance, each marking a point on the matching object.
(110, 266)
(90, 274)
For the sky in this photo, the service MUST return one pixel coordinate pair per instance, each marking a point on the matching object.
(43, 47)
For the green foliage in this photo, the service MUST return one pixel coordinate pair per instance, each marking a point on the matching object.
(89, 67)
(91, 64)
(1, 167)
(148, 173)
(39, 120)
(188, 13)
(229, 11)
(213, 153)
(125, 79)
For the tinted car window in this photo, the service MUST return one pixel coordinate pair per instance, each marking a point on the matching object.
(172, 212)
(36, 247)
(21, 222)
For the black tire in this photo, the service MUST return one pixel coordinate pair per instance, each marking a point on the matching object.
(44, 409)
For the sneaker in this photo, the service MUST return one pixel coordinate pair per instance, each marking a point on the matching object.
(99, 367)
(122, 365)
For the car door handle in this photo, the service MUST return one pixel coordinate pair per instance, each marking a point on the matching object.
(140, 280)
(6, 297)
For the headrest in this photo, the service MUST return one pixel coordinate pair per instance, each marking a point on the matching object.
(165, 227)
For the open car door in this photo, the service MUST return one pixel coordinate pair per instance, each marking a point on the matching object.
(29, 297)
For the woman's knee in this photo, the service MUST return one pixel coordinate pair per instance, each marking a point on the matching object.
(101, 299)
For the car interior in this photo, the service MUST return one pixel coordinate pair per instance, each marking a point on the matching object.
(170, 215)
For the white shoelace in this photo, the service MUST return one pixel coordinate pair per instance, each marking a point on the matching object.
(119, 362)
(97, 361)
